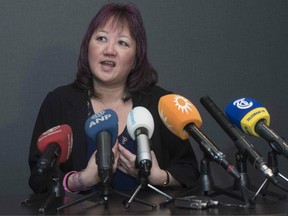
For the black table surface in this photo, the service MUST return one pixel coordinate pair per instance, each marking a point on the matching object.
(115, 205)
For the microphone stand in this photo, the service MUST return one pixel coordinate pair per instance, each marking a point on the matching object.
(241, 164)
(143, 173)
(208, 187)
(208, 184)
(55, 192)
(273, 164)
(102, 196)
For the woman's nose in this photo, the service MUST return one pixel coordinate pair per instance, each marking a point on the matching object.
(110, 49)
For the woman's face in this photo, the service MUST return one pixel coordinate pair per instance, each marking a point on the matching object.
(111, 54)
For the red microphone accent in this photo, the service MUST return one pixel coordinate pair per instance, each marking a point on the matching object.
(62, 135)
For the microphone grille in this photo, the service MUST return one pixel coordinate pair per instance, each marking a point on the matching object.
(140, 117)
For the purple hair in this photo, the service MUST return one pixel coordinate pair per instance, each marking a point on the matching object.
(143, 74)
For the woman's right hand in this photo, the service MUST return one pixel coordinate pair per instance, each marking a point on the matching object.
(116, 156)
(90, 174)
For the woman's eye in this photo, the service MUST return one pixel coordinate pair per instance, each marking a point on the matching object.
(123, 43)
(101, 38)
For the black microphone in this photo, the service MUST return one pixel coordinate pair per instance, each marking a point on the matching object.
(48, 158)
(243, 145)
(277, 143)
(102, 128)
(252, 118)
(183, 119)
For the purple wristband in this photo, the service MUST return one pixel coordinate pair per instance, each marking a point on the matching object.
(65, 182)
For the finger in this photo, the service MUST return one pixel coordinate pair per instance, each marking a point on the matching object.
(122, 166)
(153, 157)
(122, 159)
(125, 152)
(116, 154)
(122, 169)
(115, 148)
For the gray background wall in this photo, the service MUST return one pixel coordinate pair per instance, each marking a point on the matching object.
(225, 49)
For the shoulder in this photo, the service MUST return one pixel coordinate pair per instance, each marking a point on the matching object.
(68, 92)
(149, 96)
(156, 91)
(67, 89)
(160, 90)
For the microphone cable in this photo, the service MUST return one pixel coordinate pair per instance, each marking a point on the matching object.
(202, 202)
(281, 186)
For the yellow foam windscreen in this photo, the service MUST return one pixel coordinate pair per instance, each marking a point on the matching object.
(249, 121)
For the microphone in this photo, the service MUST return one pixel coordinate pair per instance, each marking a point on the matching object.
(102, 128)
(140, 126)
(183, 119)
(243, 145)
(55, 145)
(252, 118)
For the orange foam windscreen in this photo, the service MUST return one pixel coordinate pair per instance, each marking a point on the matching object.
(176, 112)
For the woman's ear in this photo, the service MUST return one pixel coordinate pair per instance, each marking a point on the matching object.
(134, 64)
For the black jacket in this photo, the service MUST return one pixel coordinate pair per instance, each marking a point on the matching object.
(68, 105)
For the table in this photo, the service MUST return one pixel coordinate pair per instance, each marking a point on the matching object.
(11, 205)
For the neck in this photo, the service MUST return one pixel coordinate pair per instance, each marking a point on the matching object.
(108, 94)
(109, 97)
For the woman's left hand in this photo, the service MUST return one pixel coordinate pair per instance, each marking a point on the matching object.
(157, 175)
(126, 161)
(126, 164)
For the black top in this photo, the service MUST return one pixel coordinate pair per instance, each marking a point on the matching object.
(68, 105)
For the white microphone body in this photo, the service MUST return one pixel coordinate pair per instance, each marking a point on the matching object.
(140, 126)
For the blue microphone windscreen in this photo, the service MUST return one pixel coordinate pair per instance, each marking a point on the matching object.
(105, 120)
(237, 109)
